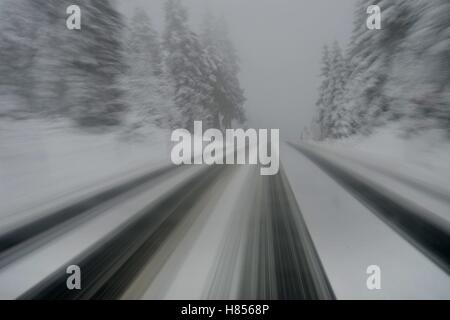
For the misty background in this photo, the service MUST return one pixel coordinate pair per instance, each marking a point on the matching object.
(279, 43)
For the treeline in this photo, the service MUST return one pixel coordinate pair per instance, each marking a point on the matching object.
(398, 73)
(116, 71)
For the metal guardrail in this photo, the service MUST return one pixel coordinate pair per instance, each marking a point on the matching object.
(426, 231)
(110, 265)
(19, 235)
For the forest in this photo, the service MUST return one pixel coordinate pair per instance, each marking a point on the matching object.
(400, 73)
(117, 71)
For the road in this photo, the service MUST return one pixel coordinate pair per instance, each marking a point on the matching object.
(226, 232)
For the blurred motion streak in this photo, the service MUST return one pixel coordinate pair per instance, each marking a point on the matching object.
(86, 178)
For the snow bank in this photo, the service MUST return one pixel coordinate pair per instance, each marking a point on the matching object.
(427, 153)
(349, 238)
(42, 160)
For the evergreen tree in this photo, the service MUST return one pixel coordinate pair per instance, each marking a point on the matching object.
(228, 94)
(21, 22)
(49, 64)
(94, 92)
(190, 69)
(371, 55)
(147, 90)
(333, 116)
(337, 119)
(60, 71)
(398, 73)
(419, 83)
(324, 100)
(143, 39)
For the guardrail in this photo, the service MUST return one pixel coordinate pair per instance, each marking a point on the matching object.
(111, 264)
(428, 232)
(27, 230)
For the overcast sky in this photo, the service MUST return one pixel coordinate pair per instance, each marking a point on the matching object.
(279, 44)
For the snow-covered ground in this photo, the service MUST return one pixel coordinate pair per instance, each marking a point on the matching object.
(20, 276)
(349, 238)
(427, 153)
(42, 161)
(417, 169)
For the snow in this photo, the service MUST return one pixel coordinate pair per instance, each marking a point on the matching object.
(428, 151)
(190, 270)
(349, 238)
(417, 169)
(28, 271)
(45, 161)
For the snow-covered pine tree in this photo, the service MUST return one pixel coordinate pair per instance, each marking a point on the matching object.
(332, 115)
(439, 53)
(189, 67)
(139, 81)
(420, 79)
(338, 121)
(56, 70)
(232, 91)
(95, 65)
(49, 62)
(397, 73)
(324, 99)
(20, 22)
(371, 55)
(228, 94)
(361, 88)
(147, 91)
(342, 124)
(144, 39)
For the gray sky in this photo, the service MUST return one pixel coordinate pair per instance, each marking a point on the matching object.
(280, 44)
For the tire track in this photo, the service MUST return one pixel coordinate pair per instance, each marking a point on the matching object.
(111, 265)
(281, 260)
(19, 237)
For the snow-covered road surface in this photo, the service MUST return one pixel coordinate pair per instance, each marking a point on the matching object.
(225, 232)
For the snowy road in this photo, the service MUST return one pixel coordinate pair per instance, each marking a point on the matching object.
(225, 232)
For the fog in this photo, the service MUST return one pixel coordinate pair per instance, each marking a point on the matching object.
(279, 43)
